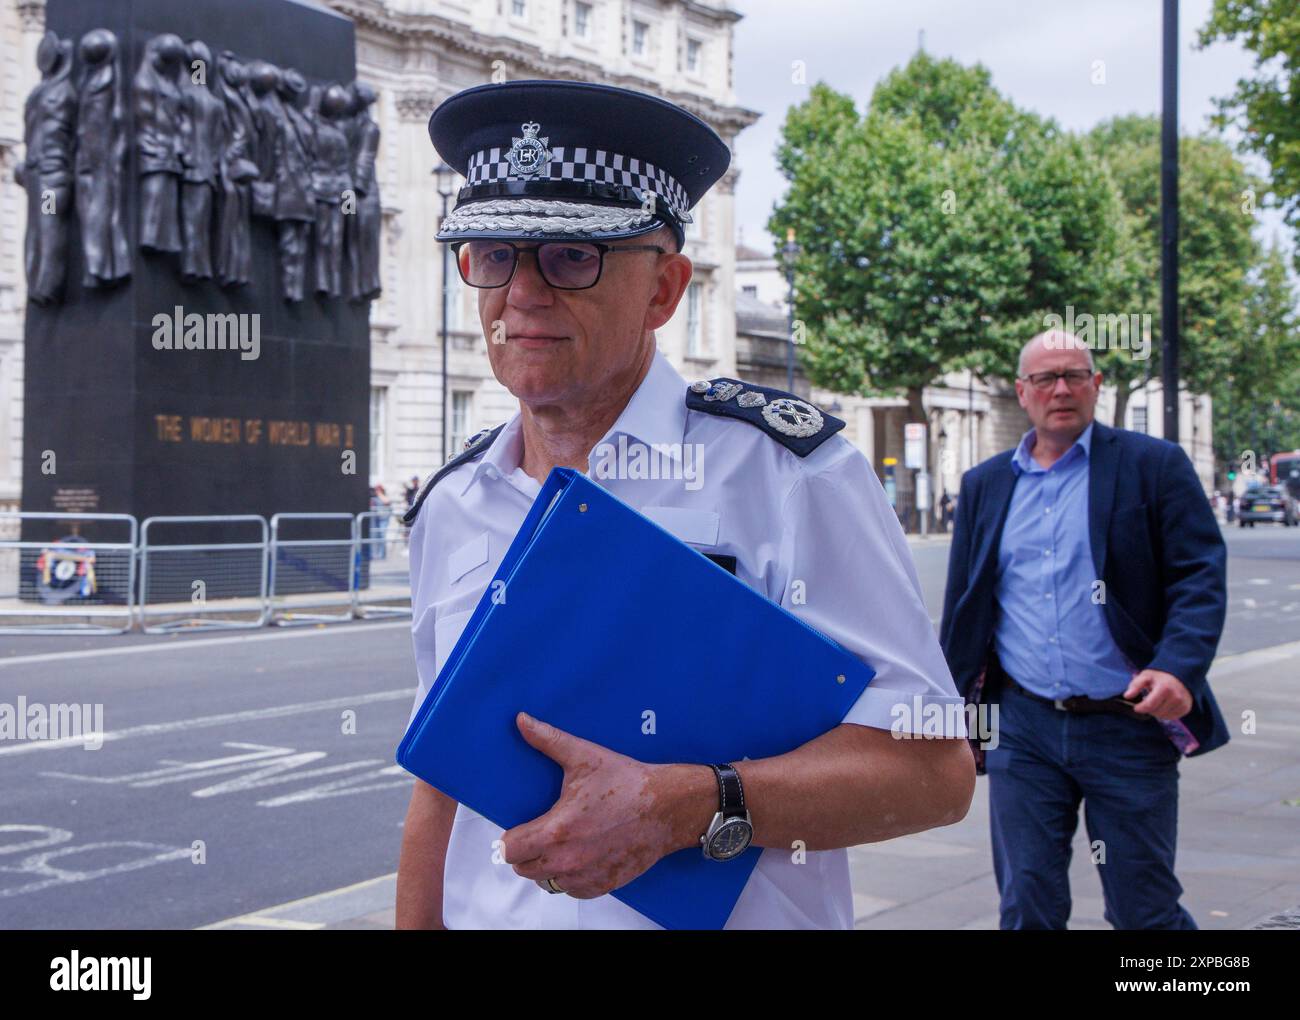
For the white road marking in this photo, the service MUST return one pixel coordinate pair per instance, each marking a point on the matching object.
(182, 647)
(51, 837)
(203, 722)
(271, 766)
(344, 787)
(39, 864)
(253, 921)
(293, 905)
(177, 771)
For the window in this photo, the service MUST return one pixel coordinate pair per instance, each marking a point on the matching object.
(378, 416)
(640, 30)
(459, 423)
(693, 47)
(518, 8)
(581, 19)
(1139, 419)
(694, 320)
(750, 290)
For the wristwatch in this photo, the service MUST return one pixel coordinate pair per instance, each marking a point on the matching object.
(731, 830)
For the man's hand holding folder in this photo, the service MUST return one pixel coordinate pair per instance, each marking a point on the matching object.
(615, 817)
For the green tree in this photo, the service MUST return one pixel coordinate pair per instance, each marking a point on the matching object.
(1257, 394)
(937, 230)
(1266, 107)
(1215, 246)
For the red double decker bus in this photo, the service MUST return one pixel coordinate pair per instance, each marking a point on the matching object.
(1284, 470)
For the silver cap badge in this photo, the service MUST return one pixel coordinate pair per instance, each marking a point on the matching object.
(529, 154)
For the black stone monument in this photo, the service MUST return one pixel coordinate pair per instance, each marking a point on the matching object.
(130, 404)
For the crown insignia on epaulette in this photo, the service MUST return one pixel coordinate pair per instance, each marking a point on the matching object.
(793, 417)
(796, 423)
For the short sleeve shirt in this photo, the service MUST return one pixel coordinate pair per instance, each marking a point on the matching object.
(814, 534)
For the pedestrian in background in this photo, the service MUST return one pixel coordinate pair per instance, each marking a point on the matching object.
(1085, 598)
(380, 505)
(945, 511)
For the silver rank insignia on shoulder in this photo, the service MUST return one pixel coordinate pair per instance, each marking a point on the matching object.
(700, 386)
(793, 417)
(529, 154)
(475, 438)
(751, 398)
(723, 391)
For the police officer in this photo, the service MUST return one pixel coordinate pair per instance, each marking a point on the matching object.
(571, 226)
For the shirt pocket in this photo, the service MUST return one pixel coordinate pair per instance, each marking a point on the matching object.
(438, 629)
(694, 527)
(467, 558)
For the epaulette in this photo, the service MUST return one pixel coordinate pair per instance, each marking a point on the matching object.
(791, 421)
(475, 446)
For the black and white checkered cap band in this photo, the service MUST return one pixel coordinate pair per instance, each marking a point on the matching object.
(489, 166)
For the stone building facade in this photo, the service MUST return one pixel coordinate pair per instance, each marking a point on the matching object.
(416, 53)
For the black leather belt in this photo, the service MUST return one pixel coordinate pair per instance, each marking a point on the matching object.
(1084, 706)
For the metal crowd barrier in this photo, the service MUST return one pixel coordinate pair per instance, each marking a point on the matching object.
(78, 585)
(192, 585)
(381, 569)
(312, 579)
(176, 573)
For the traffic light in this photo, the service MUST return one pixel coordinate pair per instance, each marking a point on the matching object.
(891, 484)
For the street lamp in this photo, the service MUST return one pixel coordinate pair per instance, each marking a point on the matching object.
(1169, 340)
(446, 177)
(788, 253)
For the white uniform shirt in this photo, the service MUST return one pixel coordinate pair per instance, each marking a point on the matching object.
(815, 534)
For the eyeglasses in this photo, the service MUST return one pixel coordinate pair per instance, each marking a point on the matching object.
(563, 265)
(1075, 378)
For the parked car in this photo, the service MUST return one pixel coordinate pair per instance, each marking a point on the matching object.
(1267, 503)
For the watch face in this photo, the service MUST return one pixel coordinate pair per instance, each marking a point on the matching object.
(731, 839)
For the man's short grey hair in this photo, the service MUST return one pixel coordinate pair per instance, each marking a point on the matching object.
(665, 237)
(1056, 340)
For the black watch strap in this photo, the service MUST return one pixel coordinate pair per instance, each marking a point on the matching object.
(731, 795)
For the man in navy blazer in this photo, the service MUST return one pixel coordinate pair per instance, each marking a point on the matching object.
(1085, 599)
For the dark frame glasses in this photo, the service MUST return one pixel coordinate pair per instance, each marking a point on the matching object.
(550, 254)
(1045, 382)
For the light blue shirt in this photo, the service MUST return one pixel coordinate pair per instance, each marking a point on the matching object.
(1051, 633)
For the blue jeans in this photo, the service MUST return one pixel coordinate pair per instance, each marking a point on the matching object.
(1125, 772)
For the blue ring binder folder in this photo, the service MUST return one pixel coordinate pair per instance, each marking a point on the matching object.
(600, 617)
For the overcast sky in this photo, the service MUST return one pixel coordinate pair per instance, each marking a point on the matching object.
(1041, 54)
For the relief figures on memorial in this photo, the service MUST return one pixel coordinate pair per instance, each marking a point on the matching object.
(218, 141)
